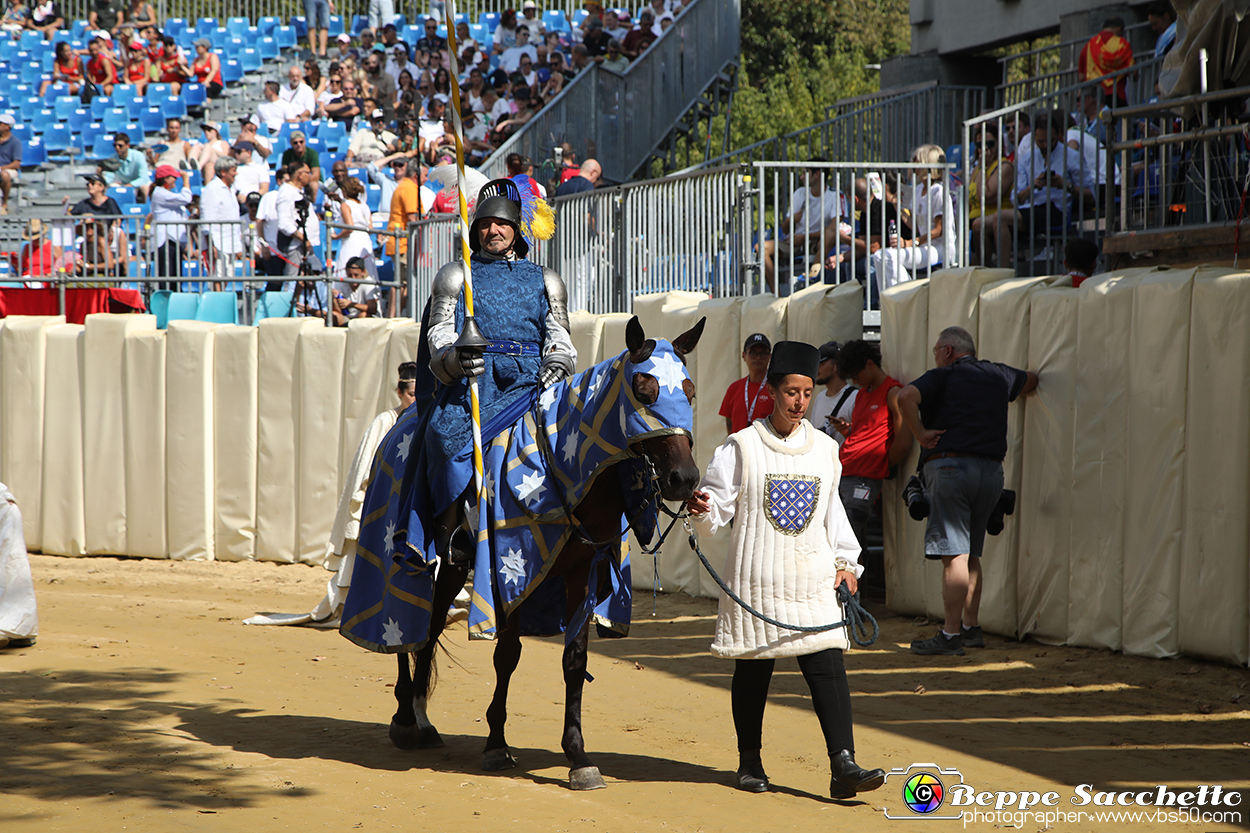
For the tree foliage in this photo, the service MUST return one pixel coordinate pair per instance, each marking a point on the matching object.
(774, 32)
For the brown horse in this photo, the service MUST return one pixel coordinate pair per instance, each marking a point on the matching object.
(599, 514)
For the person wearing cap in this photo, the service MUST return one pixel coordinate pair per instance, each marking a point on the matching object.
(748, 399)
(169, 207)
(250, 176)
(275, 111)
(532, 20)
(399, 63)
(207, 68)
(298, 94)
(596, 40)
(129, 168)
(99, 203)
(172, 67)
(372, 141)
(790, 550)
(317, 14)
(835, 402)
(138, 66)
(10, 160)
(594, 12)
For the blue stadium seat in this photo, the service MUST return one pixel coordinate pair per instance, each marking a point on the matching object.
(478, 32)
(360, 23)
(400, 21)
(174, 106)
(78, 120)
(31, 39)
(152, 119)
(218, 307)
(194, 94)
(490, 20)
(182, 306)
(32, 72)
(155, 91)
(250, 60)
(135, 132)
(273, 305)
(90, 134)
(579, 16)
(60, 88)
(99, 105)
(285, 35)
(461, 17)
(268, 48)
(219, 37)
(135, 105)
(174, 25)
(102, 148)
(336, 26)
(186, 41)
(34, 153)
(554, 20)
(29, 106)
(78, 29)
(359, 173)
(158, 305)
(135, 209)
(300, 25)
(123, 91)
(115, 119)
(238, 26)
(57, 138)
(8, 49)
(123, 196)
(44, 119)
(231, 72)
(205, 26)
(267, 25)
(22, 132)
(413, 33)
(331, 131)
(373, 196)
(233, 46)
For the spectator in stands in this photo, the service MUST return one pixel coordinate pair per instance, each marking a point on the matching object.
(249, 176)
(505, 32)
(381, 13)
(106, 15)
(594, 13)
(406, 207)
(989, 191)
(527, 75)
(138, 68)
(342, 48)
(211, 148)
(16, 16)
(46, 17)
(347, 107)
(354, 300)
(1080, 258)
(559, 66)
(596, 40)
(317, 14)
(476, 146)
(510, 59)
(613, 59)
(141, 14)
(367, 41)
(531, 20)
(431, 42)
(399, 63)
(1017, 130)
(67, 68)
(835, 404)
(640, 37)
(550, 85)
(1048, 175)
(333, 90)
(1093, 170)
(813, 207)
(616, 24)
(875, 219)
(10, 160)
(128, 168)
(96, 257)
(219, 207)
(174, 150)
(207, 68)
(356, 241)
(934, 240)
(314, 79)
(267, 231)
(172, 67)
(433, 132)
(296, 219)
(581, 58)
(101, 71)
(1089, 119)
(261, 146)
(1162, 19)
(1108, 51)
(298, 94)
(372, 142)
(748, 399)
(169, 235)
(526, 105)
(391, 38)
(98, 202)
(380, 85)
(299, 151)
(39, 258)
(274, 111)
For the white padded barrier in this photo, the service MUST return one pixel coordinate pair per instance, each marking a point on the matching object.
(64, 525)
(236, 352)
(189, 440)
(825, 313)
(143, 425)
(319, 371)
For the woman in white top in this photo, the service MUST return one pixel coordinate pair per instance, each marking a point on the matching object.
(933, 218)
(792, 546)
(357, 240)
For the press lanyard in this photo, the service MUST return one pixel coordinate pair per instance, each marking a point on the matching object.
(751, 406)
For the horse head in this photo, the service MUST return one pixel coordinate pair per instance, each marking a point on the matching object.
(659, 382)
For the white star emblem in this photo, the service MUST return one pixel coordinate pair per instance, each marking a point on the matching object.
(389, 543)
(404, 445)
(391, 633)
(549, 397)
(624, 431)
(570, 448)
(532, 488)
(595, 382)
(488, 486)
(669, 370)
(513, 566)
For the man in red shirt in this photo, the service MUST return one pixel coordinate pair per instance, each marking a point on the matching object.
(876, 436)
(1107, 52)
(747, 399)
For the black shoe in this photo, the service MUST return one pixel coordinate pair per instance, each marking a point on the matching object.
(939, 644)
(752, 778)
(972, 637)
(850, 778)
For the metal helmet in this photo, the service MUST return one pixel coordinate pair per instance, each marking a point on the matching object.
(499, 199)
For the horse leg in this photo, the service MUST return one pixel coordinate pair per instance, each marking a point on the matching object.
(496, 756)
(583, 775)
(411, 727)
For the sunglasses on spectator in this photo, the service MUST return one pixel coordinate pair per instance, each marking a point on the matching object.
(336, 80)
(990, 144)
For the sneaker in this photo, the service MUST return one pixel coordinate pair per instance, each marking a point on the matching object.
(939, 645)
(972, 637)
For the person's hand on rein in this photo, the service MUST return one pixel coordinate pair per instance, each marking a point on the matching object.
(699, 503)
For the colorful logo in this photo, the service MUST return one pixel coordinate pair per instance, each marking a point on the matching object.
(923, 793)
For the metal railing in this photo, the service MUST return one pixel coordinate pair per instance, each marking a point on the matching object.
(1064, 54)
(677, 233)
(886, 125)
(1141, 79)
(619, 119)
(863, 235)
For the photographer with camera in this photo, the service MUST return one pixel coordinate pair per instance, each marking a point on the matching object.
(958, 413)
(299, 230)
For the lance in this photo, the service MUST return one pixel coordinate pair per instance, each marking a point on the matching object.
(470, 335)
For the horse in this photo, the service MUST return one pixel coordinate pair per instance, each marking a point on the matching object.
(589, 461)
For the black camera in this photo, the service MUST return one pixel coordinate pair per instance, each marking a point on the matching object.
(1006, 506)
(913, 496)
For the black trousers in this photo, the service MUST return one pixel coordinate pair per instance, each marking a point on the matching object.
(831, 698)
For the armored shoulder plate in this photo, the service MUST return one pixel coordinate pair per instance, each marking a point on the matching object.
(557, 296)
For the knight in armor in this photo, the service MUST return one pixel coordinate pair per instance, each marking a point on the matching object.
(520, 345)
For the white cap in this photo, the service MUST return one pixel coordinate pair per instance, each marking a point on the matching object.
(377, 114)
(8, 119)
(345, 38)
(529, 4)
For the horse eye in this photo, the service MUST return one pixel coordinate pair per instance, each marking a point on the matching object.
(646, 388)
(687, 388)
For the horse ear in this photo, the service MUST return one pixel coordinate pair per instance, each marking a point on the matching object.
(637, 343)
(685, 343)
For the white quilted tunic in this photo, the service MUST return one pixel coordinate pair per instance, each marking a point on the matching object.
(790, 538)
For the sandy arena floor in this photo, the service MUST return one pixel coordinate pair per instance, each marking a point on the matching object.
(147, 705)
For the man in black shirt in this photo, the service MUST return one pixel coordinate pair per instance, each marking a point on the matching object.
(104, 233)
(431, 42)
(963, 439)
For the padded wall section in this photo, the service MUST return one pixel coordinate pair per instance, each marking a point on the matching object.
(587, 331)
(235, 352)
(612, 344)
(277, 433)
(365, 378)
(1158, 365)
(825, 313)
(760, 314)
(320, 354)
(402, 347)
(103, 434)
(954, 295)
(189, 435)
(905, 355)
(1003, 336)
(1214, 578)
(23, 357)
(1045, 498)
(143, 393)
(64, 524)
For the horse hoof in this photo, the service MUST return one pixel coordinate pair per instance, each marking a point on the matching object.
(402, 736)
(497, 760)
(586, 778)
(429, 738)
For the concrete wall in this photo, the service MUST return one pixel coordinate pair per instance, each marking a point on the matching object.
(976, 25)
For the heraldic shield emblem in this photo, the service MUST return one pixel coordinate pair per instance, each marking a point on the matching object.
(790, 501)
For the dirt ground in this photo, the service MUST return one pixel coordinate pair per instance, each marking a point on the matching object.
(148, 705)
